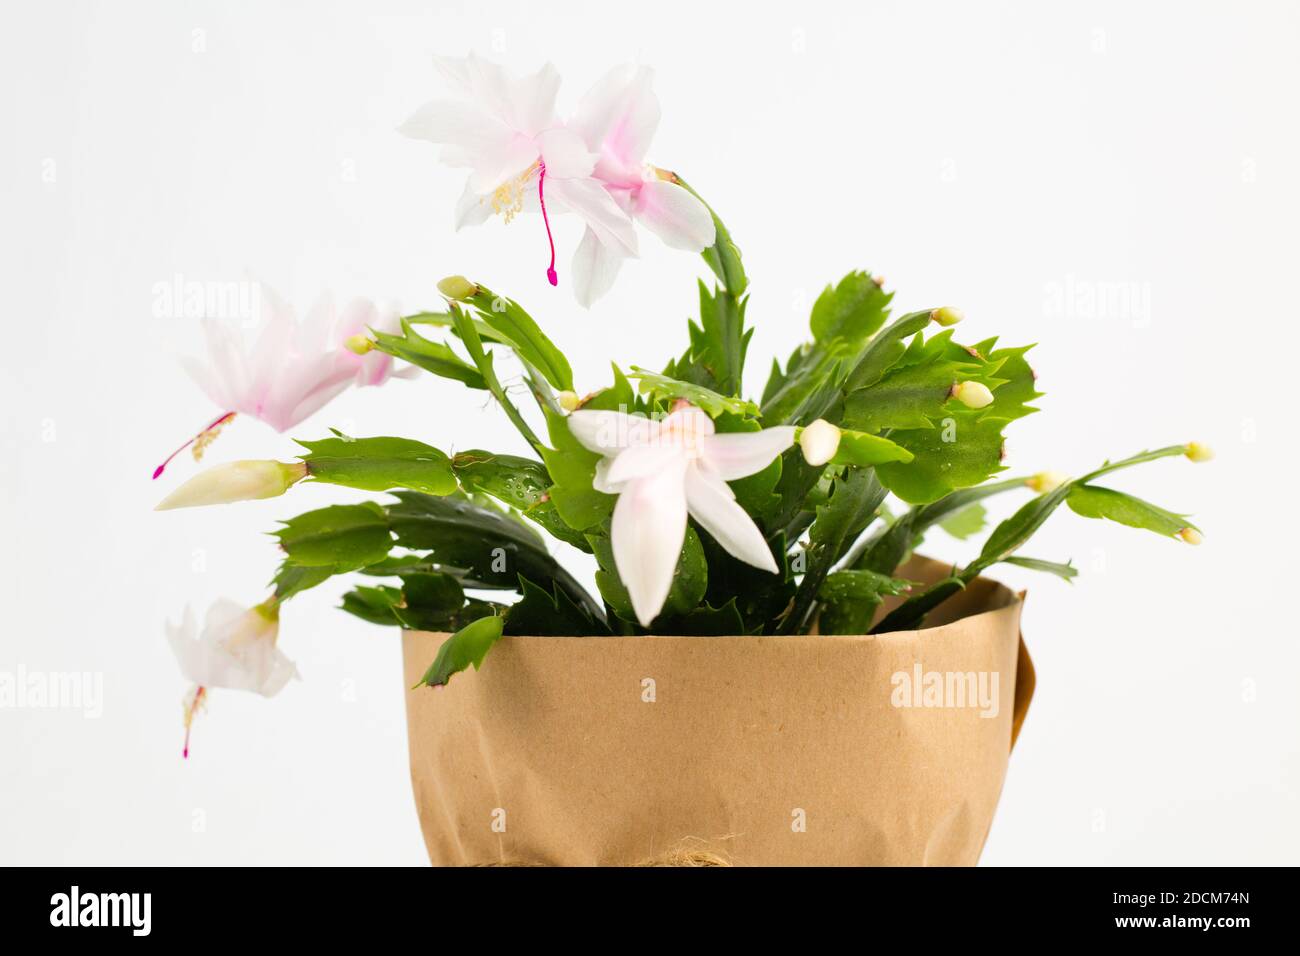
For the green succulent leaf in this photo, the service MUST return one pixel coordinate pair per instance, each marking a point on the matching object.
(690, 580)
(854, 503)
(849, 599)
(1066, 572)
(340, 537)
(965, 523)
(851, 312)
(885, 349)
(716, 357)
(489, 545)
(863, 450)
(378, 464)
(435, 357)
(965, 449)
(467, 646)
(291, 579)
(1093, 501)
(543, 613)
(661, 386)
(518, 482)
(374, 604)
(723, 257)
(857, 585)
(516, 328)
(572, 468)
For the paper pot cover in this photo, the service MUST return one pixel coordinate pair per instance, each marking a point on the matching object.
(807, 750)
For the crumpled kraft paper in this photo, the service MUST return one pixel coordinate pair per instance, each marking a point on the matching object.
(807, 750)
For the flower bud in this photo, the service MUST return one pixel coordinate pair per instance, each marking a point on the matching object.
(1195, 451)
(819, 442)
(972, 394)
(359, 344)
(1191, 536)
(569, 401)
(458, 288)
(235, 481)
(1046, 481)
(947, 316)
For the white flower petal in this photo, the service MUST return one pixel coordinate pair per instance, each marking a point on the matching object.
(595, 267)
(236, 650)
(642, 461)
(600, 480)
(674, 215)
(605, 432)
(738, 454)
(713, 505)
(565, 154)
(472, 209)
(618, 117)
(646, 533)
(589, 200)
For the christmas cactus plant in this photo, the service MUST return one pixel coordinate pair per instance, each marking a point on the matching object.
(707, 511)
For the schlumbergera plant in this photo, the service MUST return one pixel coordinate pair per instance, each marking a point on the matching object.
(708, 512)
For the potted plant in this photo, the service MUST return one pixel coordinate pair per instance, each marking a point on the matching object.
(768, 672)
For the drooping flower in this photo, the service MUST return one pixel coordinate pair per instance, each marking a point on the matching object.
(618, 118)
(236, 650)
(293, 369)
(664, 470)
(519, 155)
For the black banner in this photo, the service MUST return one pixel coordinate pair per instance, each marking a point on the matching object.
(247, 906)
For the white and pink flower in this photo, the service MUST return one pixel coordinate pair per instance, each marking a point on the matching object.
(293, 369)
(236, 650)
(663, 471)
(520, 156)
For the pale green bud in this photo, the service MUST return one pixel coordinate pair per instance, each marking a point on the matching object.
(1046, 481)
(819, 442)
(458, 288)
(947, 316)
(235, 481)
(360, 344)
(972, 394)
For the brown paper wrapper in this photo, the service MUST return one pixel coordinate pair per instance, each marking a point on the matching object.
(760, 750)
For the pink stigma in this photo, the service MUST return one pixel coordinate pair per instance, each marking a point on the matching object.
(541, 199)
(225, 417)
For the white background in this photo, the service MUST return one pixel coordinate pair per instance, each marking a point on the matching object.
(991, 156)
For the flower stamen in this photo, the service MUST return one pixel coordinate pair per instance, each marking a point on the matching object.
(541, 199)
(201, 441)
(194, 702)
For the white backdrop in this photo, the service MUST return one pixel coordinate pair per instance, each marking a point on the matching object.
(1116, 183)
